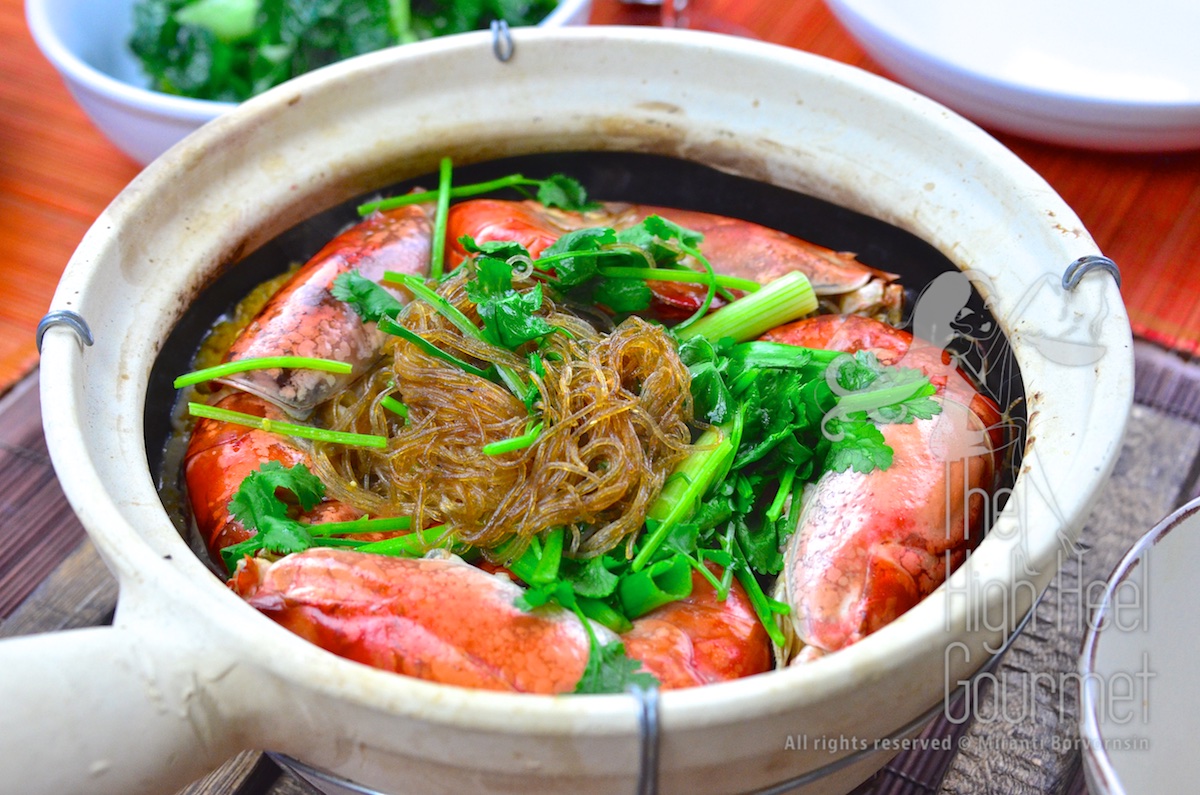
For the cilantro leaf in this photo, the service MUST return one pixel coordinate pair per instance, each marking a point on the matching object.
(856, 372)
(712, 400)
(561, 191)
(256, 502)
(571, 271)
(282, 535)
(498, 249)
(594, 580)
(663, 229)
(610, 670)
(622, 296)
(509, 316)
(861, 447)
(368, 299)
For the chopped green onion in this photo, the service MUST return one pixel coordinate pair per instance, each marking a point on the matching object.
(516, 443)
(600, 612)
(686, 485)
(787, 298)
(413, 545)
(662, 582)
(671, 275)
(416, 285)
(395, 406)
(388, 524)
(287, 428)
(438, 251)
(261, 363)
(390, 326)
(547, 566)
(525, 565)
(418, 288)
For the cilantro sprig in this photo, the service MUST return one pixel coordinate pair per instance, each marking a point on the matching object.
(258, 507)
(557, 190)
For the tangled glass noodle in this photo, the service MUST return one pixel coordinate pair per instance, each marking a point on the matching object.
(615, 409)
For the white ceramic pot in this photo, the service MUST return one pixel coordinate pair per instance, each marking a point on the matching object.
(188, 674)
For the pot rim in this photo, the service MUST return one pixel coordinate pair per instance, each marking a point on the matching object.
(82, 387)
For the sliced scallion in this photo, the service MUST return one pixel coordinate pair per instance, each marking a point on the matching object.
(395, 406)
(787, 298)
(287, 428)
(438, 248)
(516, 443)
(261, 363)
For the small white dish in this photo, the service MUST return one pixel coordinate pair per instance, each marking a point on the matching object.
(88, 43)
(1093, 73)
(1139, 699)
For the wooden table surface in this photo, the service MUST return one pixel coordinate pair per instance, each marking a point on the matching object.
(57, 173)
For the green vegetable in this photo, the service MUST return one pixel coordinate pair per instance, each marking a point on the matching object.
(556, 190)
(367, 298)
(228, 20)
(516, 443)
(286, 428)
(610, 670)
(788, 298)
(664, 581)
(509, 316)
(230, 50)
(258, 507)
(438, 244)
(395, 406)
(261, 363)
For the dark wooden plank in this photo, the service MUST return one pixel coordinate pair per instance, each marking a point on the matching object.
(248, 773)
(80, 592)
(37, 527)
(1167, 381)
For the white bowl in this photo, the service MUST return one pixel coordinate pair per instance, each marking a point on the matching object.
(189, 674)
(87, 41)
(1102, 74)
(1139, 692)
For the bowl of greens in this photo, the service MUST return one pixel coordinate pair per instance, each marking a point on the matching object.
(149, 72)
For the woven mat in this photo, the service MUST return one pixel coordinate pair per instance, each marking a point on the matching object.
(51, 579)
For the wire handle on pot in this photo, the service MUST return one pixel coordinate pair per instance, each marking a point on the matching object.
(1082, 266)
(502, 41)
(648, 733)
(64, 317)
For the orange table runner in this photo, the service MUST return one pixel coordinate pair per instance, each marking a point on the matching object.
(57, 173)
